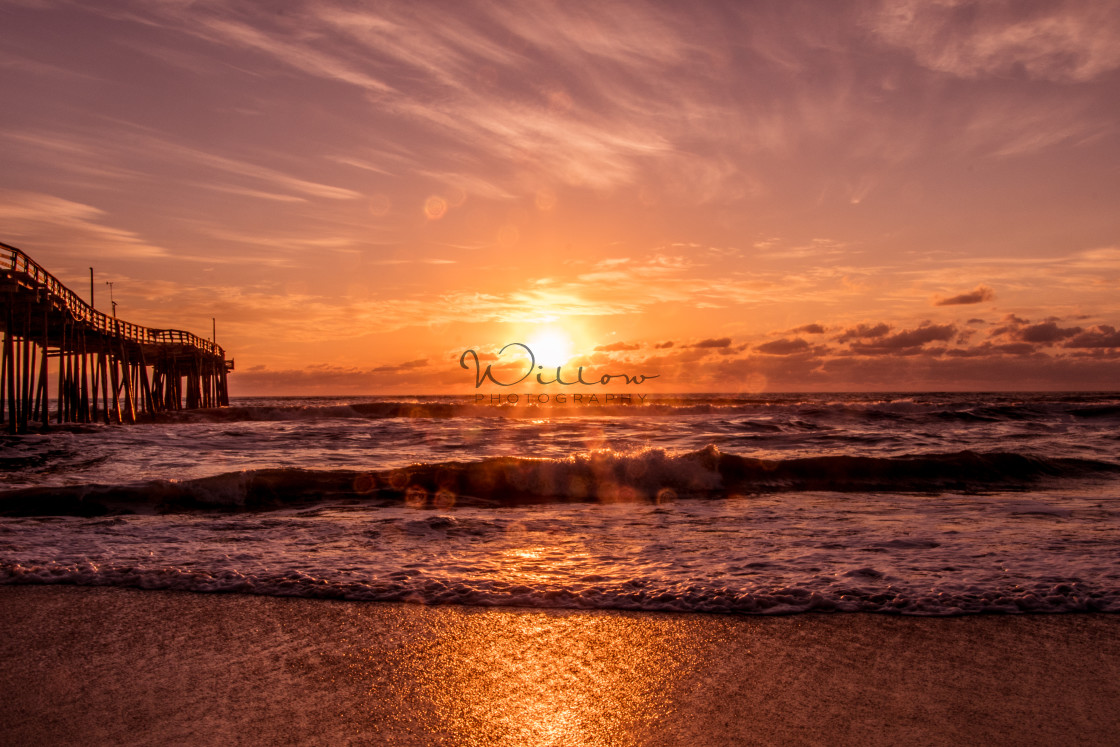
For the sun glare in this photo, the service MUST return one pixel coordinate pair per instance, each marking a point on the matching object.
(551, 347)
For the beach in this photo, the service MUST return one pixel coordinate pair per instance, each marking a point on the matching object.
(707, 570)
(120, 666)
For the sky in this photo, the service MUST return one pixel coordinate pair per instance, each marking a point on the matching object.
(728, 196)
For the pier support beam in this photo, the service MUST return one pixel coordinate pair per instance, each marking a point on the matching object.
(41, 319)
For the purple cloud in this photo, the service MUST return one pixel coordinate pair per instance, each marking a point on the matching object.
(783, 347)
(1101, 336)
(980, 294)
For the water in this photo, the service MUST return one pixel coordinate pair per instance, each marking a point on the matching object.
(935, 504)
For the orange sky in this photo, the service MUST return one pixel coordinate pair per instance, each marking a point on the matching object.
(737, 197)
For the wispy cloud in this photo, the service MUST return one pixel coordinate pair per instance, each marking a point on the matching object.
(67, 227)
(1068, 41)
(100, 153)
(300, 56)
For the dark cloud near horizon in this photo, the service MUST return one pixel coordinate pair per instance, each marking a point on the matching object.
(1101, 336)
(908, 341)
(1046, 332)
(406, 366)
(864, 331)
(329, 379)
(1010, 324)
(784, 346)
(616, 347)
(1050, 332)
(717, 342)
(663, 345)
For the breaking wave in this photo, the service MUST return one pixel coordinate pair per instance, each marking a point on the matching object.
(653, 475)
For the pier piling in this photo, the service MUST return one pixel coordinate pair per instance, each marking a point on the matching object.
(42, 320)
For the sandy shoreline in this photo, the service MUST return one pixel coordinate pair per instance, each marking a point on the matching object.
(102, 665)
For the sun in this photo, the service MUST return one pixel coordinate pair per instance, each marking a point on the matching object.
(551, 347)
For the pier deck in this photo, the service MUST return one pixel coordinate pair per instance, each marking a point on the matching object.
(97, 366)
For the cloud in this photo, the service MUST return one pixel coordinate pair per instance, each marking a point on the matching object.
(445, 68)
(908, 341)
(99, 152)
(864, 331)
(784, 347)
(615, 347)
(1046, 332)
(1063, 41)
(663, 345)
(980, 294)
(1017, 330)
(1009, 323)
(1016, 348)
(153, 146)
(940, 369)
(299, 56)
(402, 367)
(69, 227)
(256, 193)
(809, 329)
(333, 379)
(1101, 336)
(721, 342)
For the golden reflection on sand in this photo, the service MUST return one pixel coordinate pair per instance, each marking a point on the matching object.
(121, 666)
(541, 678)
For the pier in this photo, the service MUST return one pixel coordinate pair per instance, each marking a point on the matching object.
(100, 368)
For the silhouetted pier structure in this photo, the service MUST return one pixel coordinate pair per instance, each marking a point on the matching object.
(99, 367)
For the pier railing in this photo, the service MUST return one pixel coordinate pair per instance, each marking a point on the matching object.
(39, 279)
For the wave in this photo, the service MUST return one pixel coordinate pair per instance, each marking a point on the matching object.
(442, 410)
(600, 476)
(757, 413)
(1097, 411)
(861, 593)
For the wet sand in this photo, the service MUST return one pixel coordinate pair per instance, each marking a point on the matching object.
(117, 666)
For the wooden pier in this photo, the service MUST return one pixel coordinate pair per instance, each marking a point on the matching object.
(99, 368)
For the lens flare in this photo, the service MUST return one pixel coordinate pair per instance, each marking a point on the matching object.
(435, 207)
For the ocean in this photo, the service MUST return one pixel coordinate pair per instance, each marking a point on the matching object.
(918, 504)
